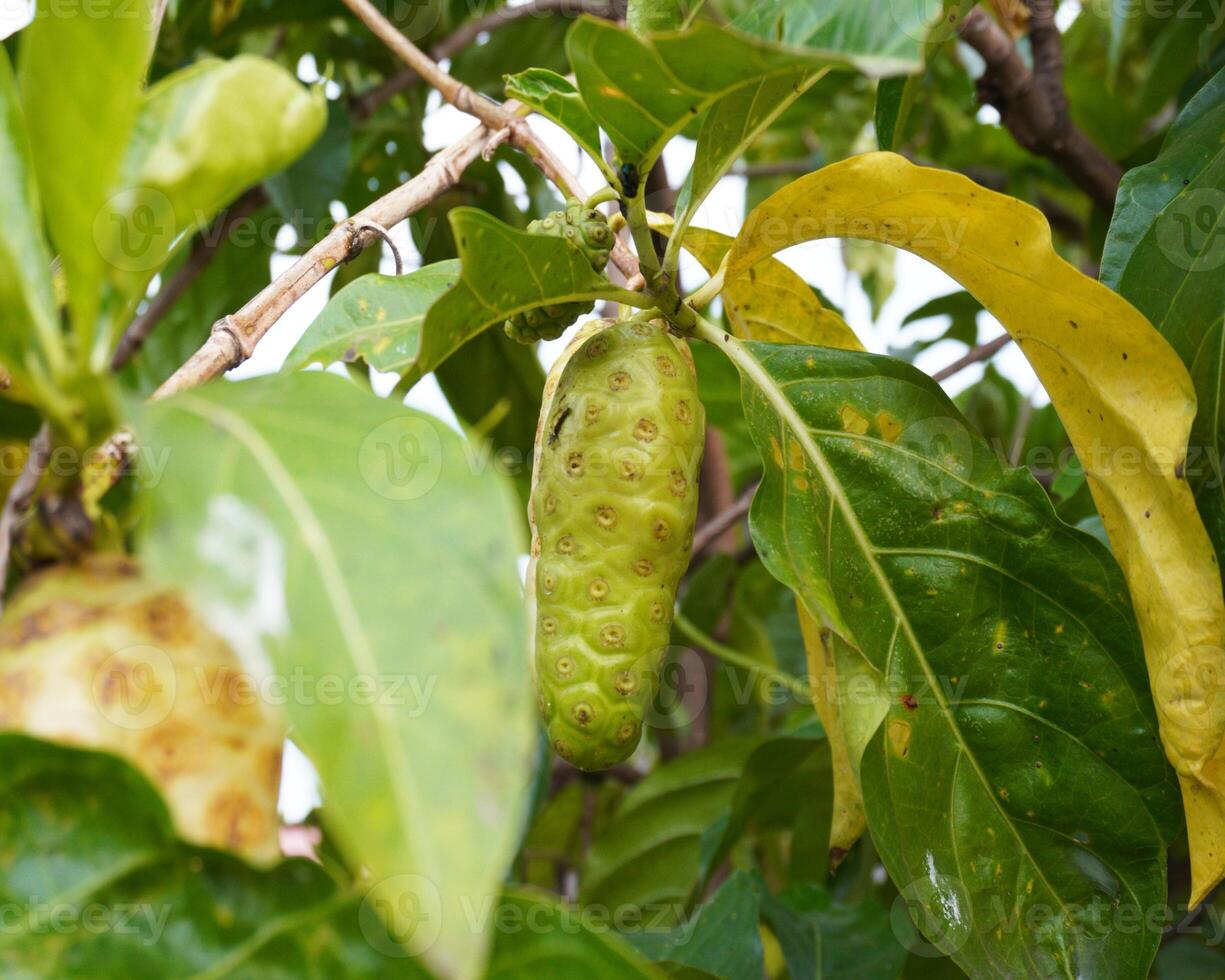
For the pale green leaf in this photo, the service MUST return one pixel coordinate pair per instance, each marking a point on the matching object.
(376, 319)
(81, 70)
(344, 537)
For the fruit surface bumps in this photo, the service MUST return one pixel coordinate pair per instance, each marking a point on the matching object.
(96, 656)
(587, 230)
(613, 505)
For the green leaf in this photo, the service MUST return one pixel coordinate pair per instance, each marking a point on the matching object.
(555, 97)
(783, 778)
(376, 319)
(824, 938)
(721, 937)
(349, 538)
(503, 271)
(495, 386)
(647, 857)
(102, 887)
(305, 191)
(892, 101)
(655, 16)
(199, 142)
(643, 92)
(537, 936)
(1165, 252)
(26, 294)
(881, 37)
(1016, 766)
(729, 128)
(80, 74)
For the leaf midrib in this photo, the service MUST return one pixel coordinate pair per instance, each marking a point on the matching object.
(787, 412)
(339, 598)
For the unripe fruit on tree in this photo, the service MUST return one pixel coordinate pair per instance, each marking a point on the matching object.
(96, 656)
(613, 505)
(587, 230)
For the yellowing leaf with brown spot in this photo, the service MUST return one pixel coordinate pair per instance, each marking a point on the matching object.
(1121, 391)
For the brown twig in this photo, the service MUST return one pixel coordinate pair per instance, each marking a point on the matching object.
(714, 528)
(20, 496)
(203, 251)
(234, 338)
(504, 120)
(366, 104)
(1032, 104)
(982, 352)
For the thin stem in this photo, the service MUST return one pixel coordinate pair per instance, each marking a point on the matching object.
(704, 295)
(640, 229)
(227, 348)
(692, 632)
(714, 529)
(982, 352)
(21, 495)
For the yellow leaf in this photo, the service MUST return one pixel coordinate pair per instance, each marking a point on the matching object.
(1123, 396)
(772, 303)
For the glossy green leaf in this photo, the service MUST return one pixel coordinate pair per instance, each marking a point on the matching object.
(647, 857)
(376, 319)
(721, 938)
(304, 192)
(95, 884)
(349, 538)
(26, 295)
(643, 92)
(555, 97)
(654, 16)
(1166, 254)
(893, 97)
(503, 271)
(1014, 768)
(199, 142)
(80, 73)
(540, 937)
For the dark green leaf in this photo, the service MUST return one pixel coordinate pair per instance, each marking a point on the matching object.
(538, 937)
(1015, 764)
(643, 92)
(825, 939)
(891, 100)
(303, 193)
(721, 937)
(648, 855)
(495, 385)
(102, 888)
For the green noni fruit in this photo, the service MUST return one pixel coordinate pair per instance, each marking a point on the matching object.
(613, 505)
(587, 230)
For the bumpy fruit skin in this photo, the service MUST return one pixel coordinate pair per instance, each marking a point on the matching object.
(587, 230)
(94, 655)
(613, 506)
